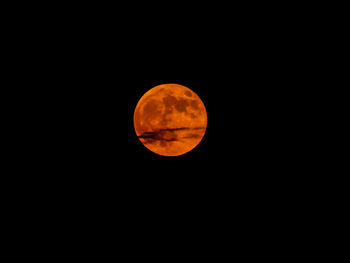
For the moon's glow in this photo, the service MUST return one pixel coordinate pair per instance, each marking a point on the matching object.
(170, 119)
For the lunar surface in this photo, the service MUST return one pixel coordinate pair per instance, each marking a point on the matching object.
(170, 119)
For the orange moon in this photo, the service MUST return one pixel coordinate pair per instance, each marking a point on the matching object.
(170, 119)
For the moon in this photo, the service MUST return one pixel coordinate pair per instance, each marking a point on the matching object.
(170, 119)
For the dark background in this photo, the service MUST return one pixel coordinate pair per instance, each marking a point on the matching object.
(92, 149)
(88, 71)
(84, 72)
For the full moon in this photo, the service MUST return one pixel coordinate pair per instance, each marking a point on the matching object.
(170, 119)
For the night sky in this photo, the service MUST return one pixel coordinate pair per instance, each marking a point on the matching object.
(83, 178)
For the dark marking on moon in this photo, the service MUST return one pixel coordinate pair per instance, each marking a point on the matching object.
(169, 101)
(181, 105)
(192, 136)
(168, 134)
(159, 135)
(188, 93)
(194, 104)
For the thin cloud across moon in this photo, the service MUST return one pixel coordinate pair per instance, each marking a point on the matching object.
(170, 119)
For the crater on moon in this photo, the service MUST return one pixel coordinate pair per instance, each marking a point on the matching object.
(188, 93)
